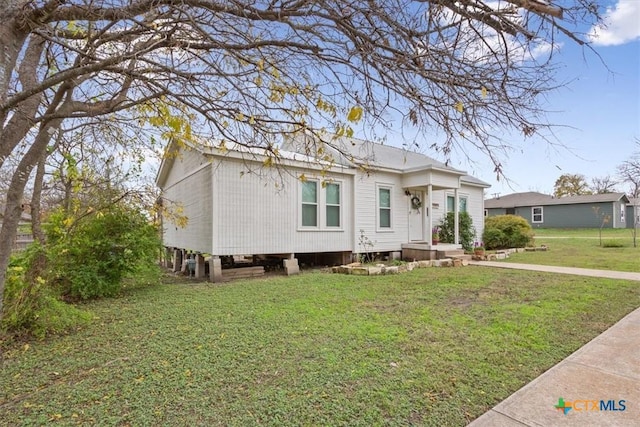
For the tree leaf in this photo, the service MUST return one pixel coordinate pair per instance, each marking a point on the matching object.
(355, 114)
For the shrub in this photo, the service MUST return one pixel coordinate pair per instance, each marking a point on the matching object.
(506, 231)
(30, 306)
(466, 232)
(90, 256)
(613, 244)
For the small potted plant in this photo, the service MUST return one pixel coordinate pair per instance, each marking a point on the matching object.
(478, 248)
(435, 235)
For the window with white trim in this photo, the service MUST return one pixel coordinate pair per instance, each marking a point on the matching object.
(332, 204)
(310, 204)
(537, 214)
(384, 207)
(462, 200)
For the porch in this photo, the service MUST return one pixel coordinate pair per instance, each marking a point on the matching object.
(427, 209)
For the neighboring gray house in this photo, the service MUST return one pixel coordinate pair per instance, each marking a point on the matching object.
(545, 211)
(633, 213)
(237, 206)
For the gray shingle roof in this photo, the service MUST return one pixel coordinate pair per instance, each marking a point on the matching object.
(532, 198)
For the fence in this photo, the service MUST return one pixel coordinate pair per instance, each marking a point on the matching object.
(22, 241)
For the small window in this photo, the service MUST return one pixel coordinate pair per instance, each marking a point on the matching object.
(333, 205)
(536, 214)
(622, 208)
(462, 204)
(384, 207)
(310, 204)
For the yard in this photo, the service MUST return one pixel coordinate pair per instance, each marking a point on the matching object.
(436, 346)
(581, 248)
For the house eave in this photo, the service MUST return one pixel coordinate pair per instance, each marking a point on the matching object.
(308, 163)
(436, 169)
(475, 184)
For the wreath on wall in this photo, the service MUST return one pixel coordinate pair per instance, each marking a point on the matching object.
(416, 203)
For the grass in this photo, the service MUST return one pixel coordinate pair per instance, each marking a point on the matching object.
(581, 248)
(436, 346)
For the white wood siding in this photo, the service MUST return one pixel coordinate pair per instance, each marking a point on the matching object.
(253, 216)
(192, 194)
(184, 164)
(366, 212)
(475, 206)
(435, 177)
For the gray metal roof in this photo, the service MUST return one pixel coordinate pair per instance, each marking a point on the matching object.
(386, 156)
(532, 198)
(375, 155)
(474, 181)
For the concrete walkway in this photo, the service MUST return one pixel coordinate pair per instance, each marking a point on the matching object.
(598, 385)
(607, 274)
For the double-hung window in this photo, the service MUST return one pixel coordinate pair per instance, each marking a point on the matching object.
(310, 204)
(384, 207)
(537, 214)
(320, 205)
(332, 204)
(462, 204)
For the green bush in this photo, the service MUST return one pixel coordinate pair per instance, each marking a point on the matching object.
(466, 231)
(90, 256)
(30, 306)
(506, 231)
(613, 244)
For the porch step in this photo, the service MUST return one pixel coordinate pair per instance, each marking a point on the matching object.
(242, 272)
(450, 253)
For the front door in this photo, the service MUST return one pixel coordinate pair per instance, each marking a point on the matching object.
(416, 216)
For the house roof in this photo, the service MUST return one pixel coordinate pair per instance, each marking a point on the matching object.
(351, 151)
(532, 198)
(634, 201)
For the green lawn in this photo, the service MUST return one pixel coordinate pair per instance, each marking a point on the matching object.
(581, 248)
(436, 346)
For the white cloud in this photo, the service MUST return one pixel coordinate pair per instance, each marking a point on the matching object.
(621, 24)
(485, 43)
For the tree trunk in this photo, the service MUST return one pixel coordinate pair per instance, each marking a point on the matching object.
(36, 200)
(15, 128)
(11, 41)
(13, 209)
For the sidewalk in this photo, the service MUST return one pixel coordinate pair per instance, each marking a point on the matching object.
(599, 383)
(607, 274)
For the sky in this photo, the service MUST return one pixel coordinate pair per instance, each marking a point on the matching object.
(599, 110)
(597, 113)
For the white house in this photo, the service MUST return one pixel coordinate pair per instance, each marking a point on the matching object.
(364, 197)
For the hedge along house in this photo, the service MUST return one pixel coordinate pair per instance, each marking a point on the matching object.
(545, 211)
(367, 198)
